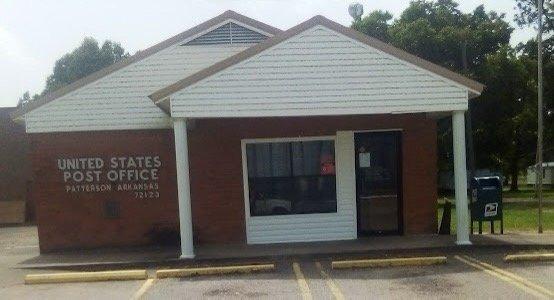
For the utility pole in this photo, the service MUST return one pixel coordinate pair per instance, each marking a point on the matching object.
(539, 112)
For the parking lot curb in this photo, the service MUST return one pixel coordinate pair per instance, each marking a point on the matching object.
(188, 272)
(389, 262)
(86, 276)
(529, 257)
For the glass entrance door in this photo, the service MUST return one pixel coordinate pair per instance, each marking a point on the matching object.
(378, 182)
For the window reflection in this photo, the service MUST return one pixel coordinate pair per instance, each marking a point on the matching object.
(291, 178)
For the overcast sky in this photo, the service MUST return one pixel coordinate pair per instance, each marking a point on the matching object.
(33, 34)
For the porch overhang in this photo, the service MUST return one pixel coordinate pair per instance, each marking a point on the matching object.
(318, 68)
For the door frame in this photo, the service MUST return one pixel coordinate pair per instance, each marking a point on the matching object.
(400, 188)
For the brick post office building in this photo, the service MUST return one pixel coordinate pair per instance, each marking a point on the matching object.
(237, 132)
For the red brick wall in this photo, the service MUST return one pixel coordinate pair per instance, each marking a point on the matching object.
(77, 220)
(14, 167)
(216, 167)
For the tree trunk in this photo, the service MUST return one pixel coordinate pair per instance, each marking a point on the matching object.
(514, 162)
(514, 171)
(513, 184)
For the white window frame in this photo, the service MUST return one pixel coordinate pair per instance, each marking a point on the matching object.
(246, 187)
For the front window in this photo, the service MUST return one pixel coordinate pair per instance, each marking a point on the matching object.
(295, 177)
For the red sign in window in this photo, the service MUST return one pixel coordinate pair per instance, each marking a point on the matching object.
(327, 165)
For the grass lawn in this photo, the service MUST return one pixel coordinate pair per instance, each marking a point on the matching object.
(527, 193)
(518, 217)
(524, 193)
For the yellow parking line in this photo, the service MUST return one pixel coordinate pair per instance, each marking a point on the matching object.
(302, 283)
(520, 282)
(330, 283)
(515, 277)
(145, 287)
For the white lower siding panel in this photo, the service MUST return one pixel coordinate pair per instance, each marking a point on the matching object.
(316, 227)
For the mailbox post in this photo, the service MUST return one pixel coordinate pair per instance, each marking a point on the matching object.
(486, 204)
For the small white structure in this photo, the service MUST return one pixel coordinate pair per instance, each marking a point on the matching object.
(547, 174)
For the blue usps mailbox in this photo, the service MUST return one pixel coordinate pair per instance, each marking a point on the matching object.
(486, 204)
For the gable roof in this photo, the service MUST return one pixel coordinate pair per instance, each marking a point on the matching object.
(159, 97)
(229, 14)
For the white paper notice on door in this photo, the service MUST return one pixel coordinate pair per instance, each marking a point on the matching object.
(364, 160)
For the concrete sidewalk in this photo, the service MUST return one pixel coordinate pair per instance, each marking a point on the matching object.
(373, 246)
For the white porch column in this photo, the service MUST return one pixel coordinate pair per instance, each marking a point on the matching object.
(183, 186)
(460, 178)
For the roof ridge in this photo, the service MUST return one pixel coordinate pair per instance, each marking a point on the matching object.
(140, 55)
(159, 96)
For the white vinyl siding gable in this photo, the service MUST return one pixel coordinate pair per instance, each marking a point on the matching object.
(319, 72)
(120, 100)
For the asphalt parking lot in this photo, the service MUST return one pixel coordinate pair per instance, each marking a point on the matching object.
(475, 274)
(456, 279)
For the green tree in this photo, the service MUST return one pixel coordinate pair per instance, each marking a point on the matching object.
(527, 14)
(464, 42)
(26, 98)
(375, 24)
(440, 32)
(504, 115)
(528, 53)
(82, 61)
